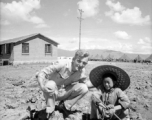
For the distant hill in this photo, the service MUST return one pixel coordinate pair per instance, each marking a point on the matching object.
(104, 53)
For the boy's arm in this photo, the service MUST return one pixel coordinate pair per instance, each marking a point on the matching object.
(123, 99)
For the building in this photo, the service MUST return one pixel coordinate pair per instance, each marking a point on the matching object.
(35, 48)
(63, 58)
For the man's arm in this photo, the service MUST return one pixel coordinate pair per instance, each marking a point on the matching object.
(41, 78)
(89, 84)
(84, 79)
(47, 71)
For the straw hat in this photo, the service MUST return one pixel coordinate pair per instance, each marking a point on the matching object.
(122, 78)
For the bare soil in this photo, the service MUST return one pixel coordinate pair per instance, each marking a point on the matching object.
(20, 93)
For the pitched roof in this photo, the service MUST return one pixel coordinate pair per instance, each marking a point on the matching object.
(14, 40)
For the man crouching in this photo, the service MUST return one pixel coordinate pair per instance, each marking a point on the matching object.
(71, 76)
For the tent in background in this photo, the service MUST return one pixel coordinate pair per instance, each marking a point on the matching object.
(97, 58)
(90, 57)
(101, 57)
(138, 59)
(149, 59)
(109, 58)
(124, 58)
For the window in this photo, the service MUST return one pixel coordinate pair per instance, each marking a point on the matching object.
(8, 48)
(25, 47)
(48, 48)
(2, 49)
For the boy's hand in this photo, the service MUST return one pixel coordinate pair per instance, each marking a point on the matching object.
(112, 111)
(109, 113)
(110, 106)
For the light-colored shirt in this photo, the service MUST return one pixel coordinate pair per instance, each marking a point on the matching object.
(116, 97)
(62, 74)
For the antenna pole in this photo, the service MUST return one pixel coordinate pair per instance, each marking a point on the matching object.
(80, 19)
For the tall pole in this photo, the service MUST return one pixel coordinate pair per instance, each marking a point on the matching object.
(80, 19)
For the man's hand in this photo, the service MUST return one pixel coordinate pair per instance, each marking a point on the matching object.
(45, 89)
(89, 84)
(49, 91)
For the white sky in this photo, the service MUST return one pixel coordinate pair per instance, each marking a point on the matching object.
(122, 25)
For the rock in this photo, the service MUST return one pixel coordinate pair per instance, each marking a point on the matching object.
(22, 101)
(17, 83)
(133, 116)
(12, 114)
(11, 105)
(133, 106)
(134, 99)
(23, 116)
(146, 106)
(31, 107)
(57, 116)
(33, 99)
(40, 105)
(139, 117)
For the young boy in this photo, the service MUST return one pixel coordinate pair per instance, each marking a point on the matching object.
(110, 102)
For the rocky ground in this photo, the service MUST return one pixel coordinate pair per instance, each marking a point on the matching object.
(20, 94)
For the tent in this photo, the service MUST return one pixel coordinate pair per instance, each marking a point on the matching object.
(101, 57)
(124, 58)
(149, 58)
(91, 57)
(109, 58)
(138, 59)
(97, 58)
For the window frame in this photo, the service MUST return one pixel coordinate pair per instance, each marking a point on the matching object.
(8, 49)
(48, 49)
(2, 51)
(24, 47)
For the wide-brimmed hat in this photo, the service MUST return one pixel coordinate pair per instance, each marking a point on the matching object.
(122, 78)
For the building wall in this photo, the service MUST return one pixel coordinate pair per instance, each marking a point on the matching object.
(36, 52)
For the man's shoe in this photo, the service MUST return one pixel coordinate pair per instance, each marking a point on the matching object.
(50, 115)
(61, 107)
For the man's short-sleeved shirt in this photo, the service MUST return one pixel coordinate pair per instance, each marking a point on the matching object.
(62, 74)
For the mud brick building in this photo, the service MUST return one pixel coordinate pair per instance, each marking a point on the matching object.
(35, 48)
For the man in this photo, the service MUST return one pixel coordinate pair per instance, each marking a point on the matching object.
(70, 77)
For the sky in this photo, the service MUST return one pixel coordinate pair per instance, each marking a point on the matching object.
(121, 25)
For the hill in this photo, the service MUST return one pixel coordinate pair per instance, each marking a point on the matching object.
(104, 53)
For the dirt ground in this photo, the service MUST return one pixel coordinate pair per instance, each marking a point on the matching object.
(19, 92)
